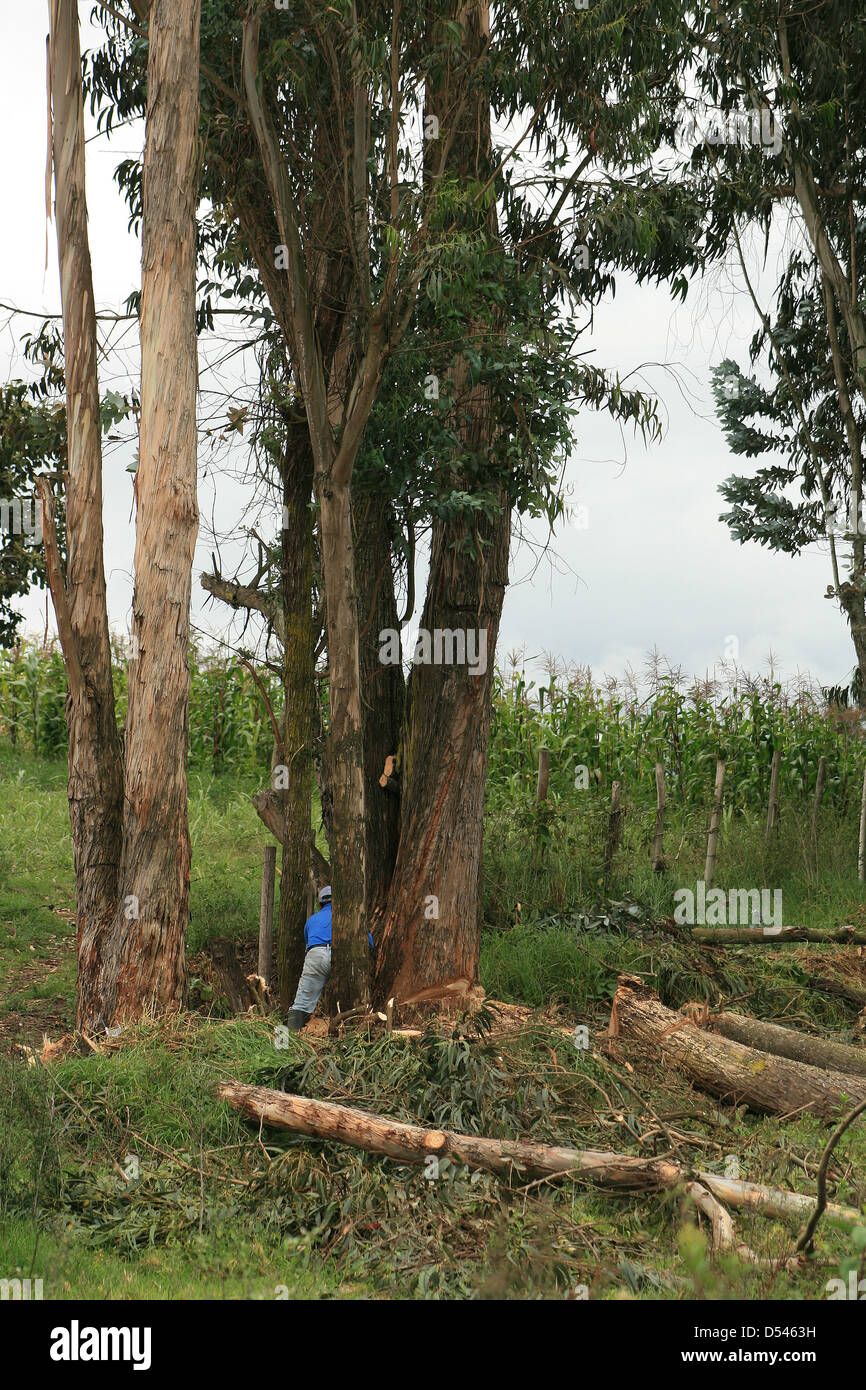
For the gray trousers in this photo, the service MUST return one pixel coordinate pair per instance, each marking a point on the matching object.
(314, 977)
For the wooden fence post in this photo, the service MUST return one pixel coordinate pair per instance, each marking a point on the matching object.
(543, 775)
(266, 916)
(715, 821)
(773, 807)
(819, 792)
(861, 856)
(658, 855)
(614, 829)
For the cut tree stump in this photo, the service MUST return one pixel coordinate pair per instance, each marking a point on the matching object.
(343, 1124)
(742, 1075)
(787, 1042)
(231, 977)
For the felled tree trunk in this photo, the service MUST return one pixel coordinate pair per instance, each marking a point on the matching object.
(765, 936)
(850, 993)
(742, 1075)
(344, 1124)
(787, 1042)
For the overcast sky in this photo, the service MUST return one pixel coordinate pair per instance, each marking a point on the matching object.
(646, 564)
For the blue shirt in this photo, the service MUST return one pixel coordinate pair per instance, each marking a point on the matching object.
(317, 931)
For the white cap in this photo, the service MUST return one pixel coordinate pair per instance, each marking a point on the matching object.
(324, 894)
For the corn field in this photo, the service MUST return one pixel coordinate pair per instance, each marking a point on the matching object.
(613, 732)
(597, 735)
(230, 729)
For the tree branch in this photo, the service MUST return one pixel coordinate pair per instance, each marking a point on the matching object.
(245, 596)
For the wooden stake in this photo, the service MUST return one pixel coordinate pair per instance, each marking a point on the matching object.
(773, 807)
(715, 821)
(658, 855)
(543, 774)
(861, 855)
(614, 829)
(819, 792)
(266, 915)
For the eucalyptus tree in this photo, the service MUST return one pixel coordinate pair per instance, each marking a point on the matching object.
(129, 820)
(349, 158)
(787, 81)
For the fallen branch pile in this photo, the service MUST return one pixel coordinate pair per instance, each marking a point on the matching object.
(520, 1158)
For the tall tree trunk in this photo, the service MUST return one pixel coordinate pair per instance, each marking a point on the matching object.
(143, 967)
(851, 596)
(297, 726)
(350, 980)
(95, 774)
(430, 934)
(382, 690)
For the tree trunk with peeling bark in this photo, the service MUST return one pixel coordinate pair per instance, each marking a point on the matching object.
(430, 932)
(431, 928)
(350, 978)
(383, 691)
(142, 965)
(95, 785)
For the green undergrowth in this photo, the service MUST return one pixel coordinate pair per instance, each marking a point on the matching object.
(123, 1175)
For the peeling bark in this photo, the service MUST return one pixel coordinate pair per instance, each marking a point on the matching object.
(95, 786)
(143, 964)
(430, 931)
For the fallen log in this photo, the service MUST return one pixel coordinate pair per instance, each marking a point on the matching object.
(771, 936)
(344, 1124)
(787, 1042)
(765, 1083)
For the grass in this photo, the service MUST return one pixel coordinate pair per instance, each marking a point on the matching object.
(216, 1211)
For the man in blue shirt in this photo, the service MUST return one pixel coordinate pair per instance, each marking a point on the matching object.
(317, 963)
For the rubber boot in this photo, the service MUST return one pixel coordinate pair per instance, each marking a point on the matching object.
(296, 1019)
